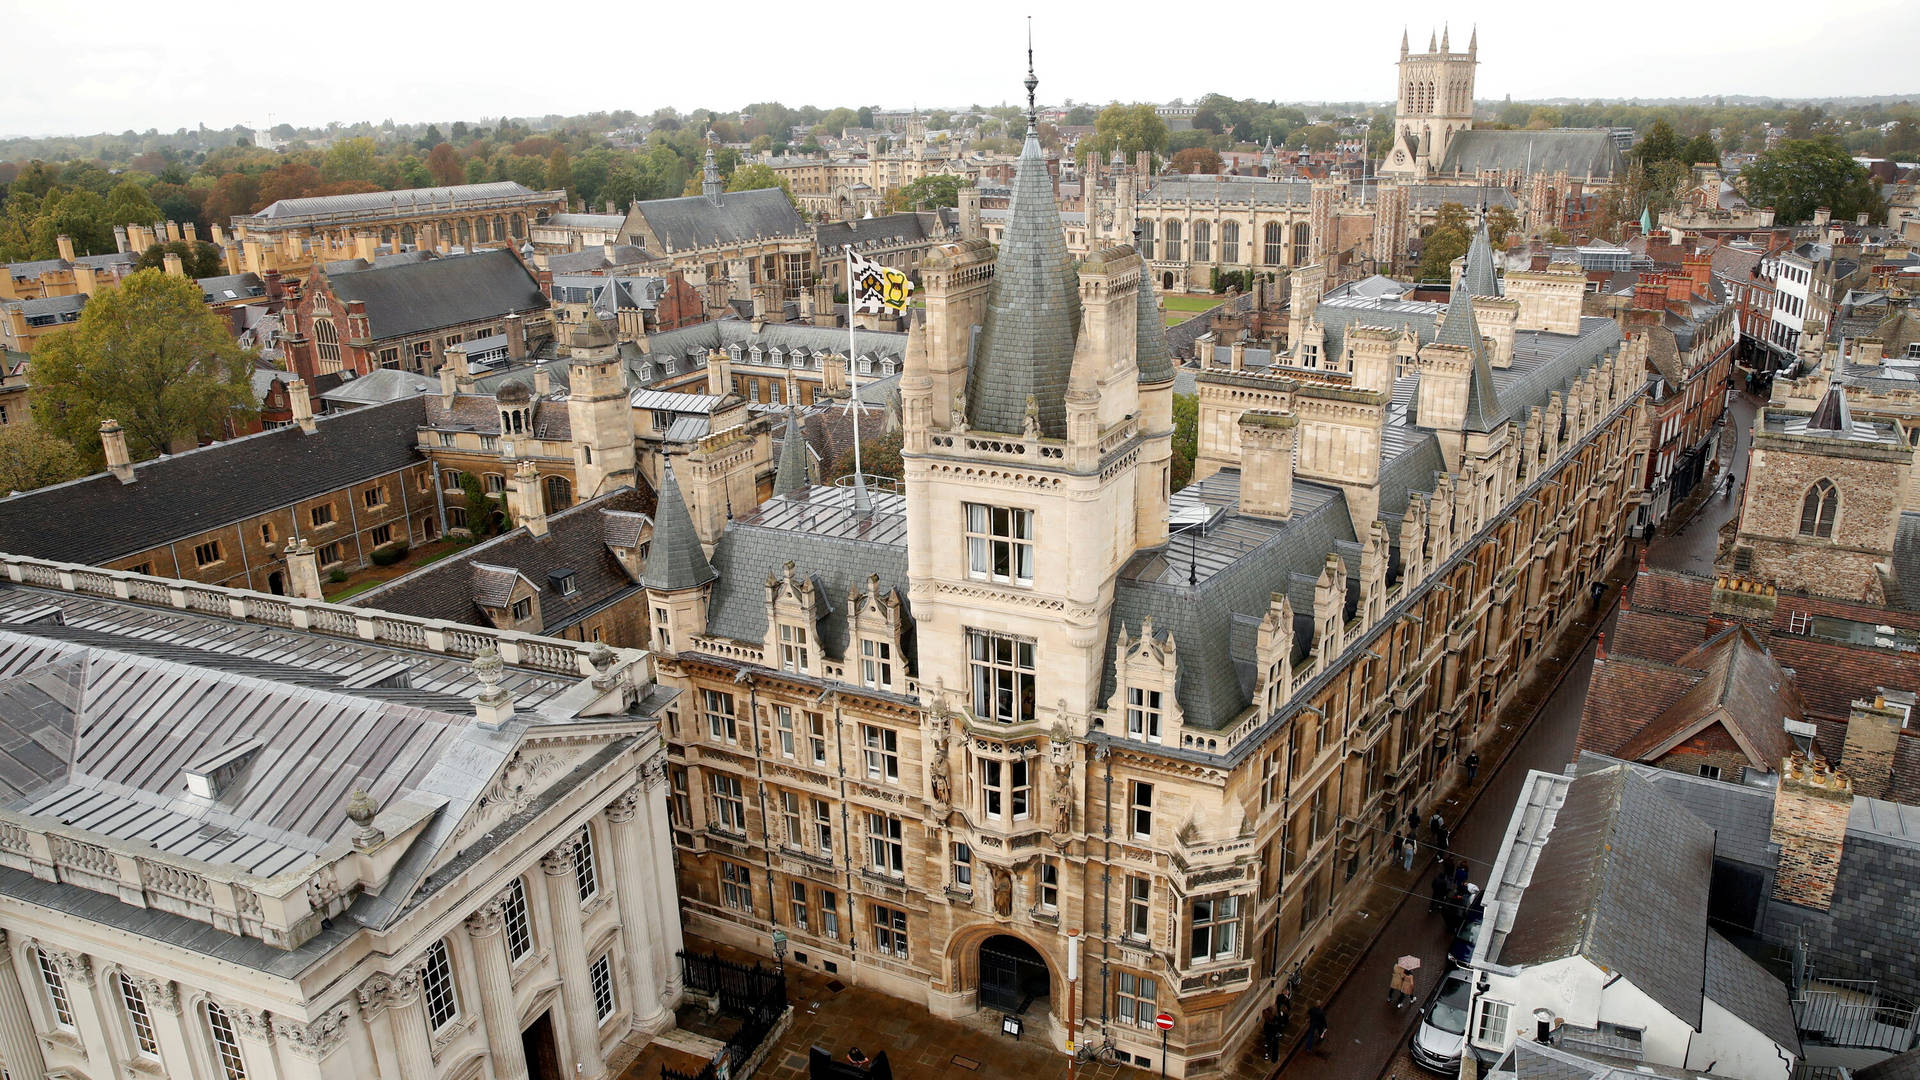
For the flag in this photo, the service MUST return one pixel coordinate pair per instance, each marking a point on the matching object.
(876, 288)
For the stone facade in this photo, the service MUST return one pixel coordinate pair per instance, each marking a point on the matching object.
(293, 235)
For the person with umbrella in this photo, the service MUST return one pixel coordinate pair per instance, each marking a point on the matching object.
(1400, 988)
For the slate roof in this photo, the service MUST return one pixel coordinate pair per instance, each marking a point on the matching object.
(1898, 1067)
(882, 231)
(1622, 881)
(1154, 356)
(414, 297)
(1576, 152)
(578, 539)
(1463, 329)
(674, 558)
(1742, 987)
(405, 201)
(1259, 192)
(1478, 275)
(792, 473)
(231, 287)
(380, 385)
(827, 540)
(481, 413)
(695, 221)
(97, 518)
(1735, 684)
(1741, 816)
(1026, 341)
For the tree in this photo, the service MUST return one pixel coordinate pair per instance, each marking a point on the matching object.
(32, 458)
(149, 354)
(79, 215)
(1802, 175)
(352, 159)
(1659, 144)
(1132, 128)
(486, 515)
(1186, 439)
(1500, 222)
(129, 204)
(198, 259)
(879, 456)
(1700, 150)
(927, 193)
(756, 176)
(445, 165)
(1443, 245)
(1199, 161)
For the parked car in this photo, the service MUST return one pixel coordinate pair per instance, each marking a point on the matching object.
(1442, 1031)
(1468, 936)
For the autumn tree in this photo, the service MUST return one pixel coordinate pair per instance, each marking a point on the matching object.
(879, 456)
(756, 176)
(926, 193)
(445, 166)
(31, 457)
(1197, 160)
(129, 204)
(1131, 128)
(149, 354)
(198, 259)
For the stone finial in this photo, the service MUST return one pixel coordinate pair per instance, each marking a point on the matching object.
(360, 810)
(1031, 429)
(493, 705)
(602, 658)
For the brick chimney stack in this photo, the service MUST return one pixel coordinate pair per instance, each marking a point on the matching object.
(65, 244)
(1873, 732)
(114, 442)
(175, 268)
(1810, 809)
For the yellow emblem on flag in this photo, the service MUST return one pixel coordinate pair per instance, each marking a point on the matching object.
(877, 288)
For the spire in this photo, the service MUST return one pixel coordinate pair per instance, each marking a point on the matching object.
(791, 474)
(1026, 341)
(1445, 43)
(1033, 111)
(710, 174)
(1478, 278)
(1462, 329)
(1473, 42)
(674, 558)
(1832, 414)
(1431, 47)
(1403, 41)
(1153, 359)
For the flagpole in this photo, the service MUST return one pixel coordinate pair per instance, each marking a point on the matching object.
(860, 501)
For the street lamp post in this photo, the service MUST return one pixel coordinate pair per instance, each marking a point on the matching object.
(779, 951)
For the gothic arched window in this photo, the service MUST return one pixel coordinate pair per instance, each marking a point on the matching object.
(1146, 239)
(1202, 241)
(1301, 245)
(1820, 507)
(1173, 239)
(1276, 245)
(1230, 241)
(559, 493)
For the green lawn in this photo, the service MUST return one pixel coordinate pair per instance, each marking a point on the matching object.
(1179, 302)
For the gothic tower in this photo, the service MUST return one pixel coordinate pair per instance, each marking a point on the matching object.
(1435, 103)
(1038, 423)
(601, 422)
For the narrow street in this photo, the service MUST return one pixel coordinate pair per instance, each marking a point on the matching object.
(1367, 1038)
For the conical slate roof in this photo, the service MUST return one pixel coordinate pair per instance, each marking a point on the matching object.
(1461, 328)
(1154, 359)
(674, 558)
(1832, 414)
(1025, 347)
(1478, 277)
(791, 473)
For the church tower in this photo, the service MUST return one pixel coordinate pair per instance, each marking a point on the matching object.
(1435, 103)
(1038, 422)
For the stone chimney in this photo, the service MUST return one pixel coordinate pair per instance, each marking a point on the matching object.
(823, 314)
(1822, 217)
(1307, 284)
(65, 244)
(1868, 351)
(542, 382)
(529, 504)
(114, 442)
(85, 279)
(1873, 732)
(1266, 464)
(173, 232)
(120, 239)
(1237, 355)
(173, 264)
(301, 398)
(1810, 808)
(719, 373)
(516, 337)
(188, 234)
(366, 245)
(303, 569)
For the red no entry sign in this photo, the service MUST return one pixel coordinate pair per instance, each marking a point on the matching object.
(1163, 1022)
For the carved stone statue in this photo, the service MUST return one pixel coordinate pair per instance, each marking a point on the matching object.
(1062, 797)
(1002, 891)
(942, 782)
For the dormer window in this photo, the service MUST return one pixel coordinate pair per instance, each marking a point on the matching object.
(793, 648)
(1143, 714)
(565, 582)
(522, 609)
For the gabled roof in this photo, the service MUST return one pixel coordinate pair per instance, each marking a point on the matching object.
(1742, 987)
(674, 558)
(1740, 688)
(1576, 152)
(1621, 881)
(1026, 342)
(409, 298)
(395, 201)
(578, 539)
(736, 217)
(97, 518)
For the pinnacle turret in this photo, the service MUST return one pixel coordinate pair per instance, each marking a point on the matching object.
(674, 558)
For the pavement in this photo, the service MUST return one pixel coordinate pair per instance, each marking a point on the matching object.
(919, 1045)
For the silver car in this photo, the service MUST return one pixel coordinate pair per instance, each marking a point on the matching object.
(1442, 1031)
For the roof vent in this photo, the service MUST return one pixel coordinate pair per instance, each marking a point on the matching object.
(208, 777)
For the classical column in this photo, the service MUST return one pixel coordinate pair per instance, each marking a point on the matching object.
(77, 970)
(18, 1043)
(315, 1049)
(251, 1028)
(495, 975)
(640, 916)
(570, 957)
(374, 996)
(671, 942)
(169, 1026)
(409, 1016)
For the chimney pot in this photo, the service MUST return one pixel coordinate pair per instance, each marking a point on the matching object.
(113, 441)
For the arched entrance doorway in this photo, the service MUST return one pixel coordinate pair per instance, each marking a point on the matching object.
(1166, 281)
(1013, 975)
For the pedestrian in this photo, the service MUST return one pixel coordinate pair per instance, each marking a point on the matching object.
(1473, 765)
(1393, 850)
(1409, 847)
(1400, 990)
(1282, 1010)
(1444, 840)
(1316, 1027)
(1442, 888)
(1413, 820)
(1269, 1036)
(1460, 876)
(1437, 827)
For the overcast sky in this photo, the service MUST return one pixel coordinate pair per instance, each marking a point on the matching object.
(111, 65)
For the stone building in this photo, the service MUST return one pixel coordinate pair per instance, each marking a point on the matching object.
(927, 735)
(372, 846)
(728, 243)
(293, 235)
